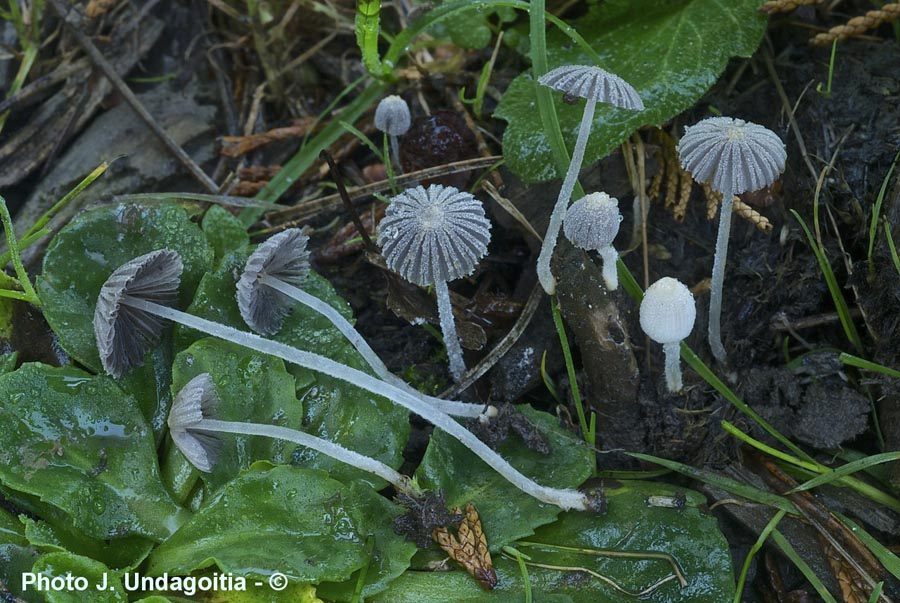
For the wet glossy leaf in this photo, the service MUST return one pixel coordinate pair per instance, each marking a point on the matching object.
(252, 388)
(506, 513)
(390, 553)
(631, 524)
(84, 253)
(8, 361)
(224, 232)
(11, 529)
(284, 519)
(671, 52)
(334, 409)
(122, 553)
(15, 560)
(104, 586)
(81, 446)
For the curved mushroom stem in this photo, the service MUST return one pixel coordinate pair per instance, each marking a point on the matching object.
(562, 202)
(609, 255)
(448, 330)
(564, 498)
(673, 365)
(718, 277)
(450, 407)
(335, 451)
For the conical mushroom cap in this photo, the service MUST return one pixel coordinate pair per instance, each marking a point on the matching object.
(668, 311)
(593, 221)
(432, 235)
(587, 81)
(124, 334)
(284, 257)
(392, 116)
(196, 401)
(732, 154)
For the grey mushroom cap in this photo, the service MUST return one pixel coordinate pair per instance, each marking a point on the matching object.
(594, 83)
(124, 334)
(593, 221)
(732, 154)
(196, 401)
(284, 257)
(434, 234)
(392, 116)
(668, 311)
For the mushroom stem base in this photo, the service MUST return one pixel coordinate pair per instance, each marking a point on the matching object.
(673, 366)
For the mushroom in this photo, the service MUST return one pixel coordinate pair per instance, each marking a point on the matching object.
(595, 85)
(269, 286)
(667, 317)
(392, 117)
(734, 156)
(126, 324)
(592, 222)
(431, 237)
(192, 424)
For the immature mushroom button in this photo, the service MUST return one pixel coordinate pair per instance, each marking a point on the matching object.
(595, 85)
(592, 222)
(431, 237)
(667, 317)
(392, 117)
(270, 285)
(734, 156)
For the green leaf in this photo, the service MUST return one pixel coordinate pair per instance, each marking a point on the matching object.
(11, 530)
(224, 232)
(8, 361)
(472, 28)
(506, 513)
(252, 388)
(122, 553)
(671, 52)
(390, 553)
(84, 253)
(81, 446)
(15, 560)
(284, 519)
(335, 410)
(104, 586)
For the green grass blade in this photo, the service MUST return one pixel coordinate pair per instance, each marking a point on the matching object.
(801, 565)
(853, 467)
(368, 27)
(861, 363)
(891, 247)
(885, 556)
(763, 536)
(876, 211)
(587, 432)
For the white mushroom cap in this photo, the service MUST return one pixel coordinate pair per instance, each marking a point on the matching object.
(123, 333)
(392, 116)
(592, 82)
(283, 256)
(732, 154)
(432, 235)
(668, 311)
(593, 221)
(196, 401)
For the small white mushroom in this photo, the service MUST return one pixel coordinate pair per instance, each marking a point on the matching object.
(431, 237)
(595, 85)
(667, 317)
(592, 222)
(392, 117)
(734, 156)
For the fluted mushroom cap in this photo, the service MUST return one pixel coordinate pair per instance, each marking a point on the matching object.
(732, 154)
(668, 311)
(196, 401)
(432, 235)
(124, 334)
(283, 256)
(392, 116)
(593, 221)
(592, 82)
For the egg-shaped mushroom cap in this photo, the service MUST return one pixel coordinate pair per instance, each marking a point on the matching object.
(732, 154)
(668, 311)
(283, 256)
(593, 221)
(124, 334)
(392, 116)
(196, 401)
(592, 82)
(432, 235)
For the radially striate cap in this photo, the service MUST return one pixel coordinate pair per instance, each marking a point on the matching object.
(196, 401)
(591, 82)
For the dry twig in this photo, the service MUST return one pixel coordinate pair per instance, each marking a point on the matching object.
(859, 25)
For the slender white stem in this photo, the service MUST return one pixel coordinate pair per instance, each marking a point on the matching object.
(395, 149)
(563, 498)
(718, 277)
(673, 365)
(562, 202)
(451, 407)
(609, 255)
(448, 330)
(335, 451)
